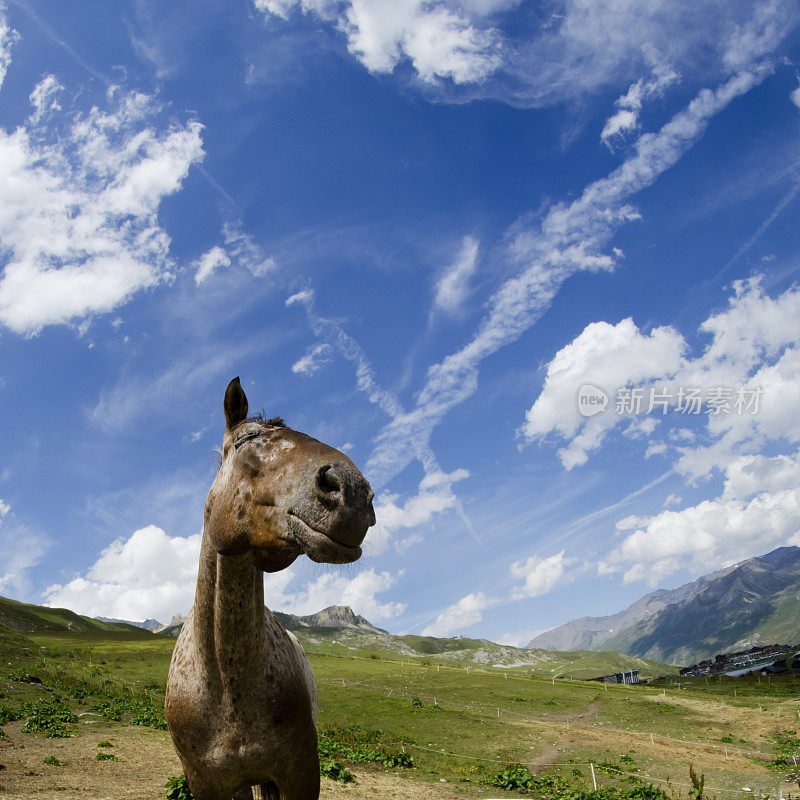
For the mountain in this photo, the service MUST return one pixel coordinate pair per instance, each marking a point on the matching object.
(754, 602)
(173, 627)
(148, 624)
(336, 630)
(330, 617)
(28, 618)
(592, 633)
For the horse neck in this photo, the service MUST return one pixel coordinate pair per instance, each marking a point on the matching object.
(229, 613)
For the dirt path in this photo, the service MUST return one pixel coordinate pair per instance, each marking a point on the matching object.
(147, 760)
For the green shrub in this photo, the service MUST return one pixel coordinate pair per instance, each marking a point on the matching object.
(361, 745)
(608, 768)
(397, 760)
(514, 776)
(52, 761)
(648, 792)
(727, 739)
(416, 703)
(177, 788)
(105, 744)
(335, 771)
(8, 715)
(106, 757)
(49, 716)
(139, 712)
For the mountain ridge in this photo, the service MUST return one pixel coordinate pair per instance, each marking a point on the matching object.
(589, 633)
(756, 601)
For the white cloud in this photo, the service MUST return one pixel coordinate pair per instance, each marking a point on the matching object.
(794, 96)
(246, 251)
(758, 511)
(576, 48)
(315, 356)
(196, 436)
(334, 589)
(754, 343)
(467, 611)
(150, 574)
(434, 496)
(539, 575)
(452, 287)
(211, 260)
(569, 239)
(630, 104)
(78, 220)
(519, 638)
(752, 474)
(20, 550)
(437, 39)
(4, 508)
(8, 36)
(44, 96)
(607, 356)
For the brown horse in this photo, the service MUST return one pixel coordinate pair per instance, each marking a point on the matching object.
(241, 697)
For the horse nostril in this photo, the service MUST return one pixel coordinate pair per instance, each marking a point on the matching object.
(327, 480)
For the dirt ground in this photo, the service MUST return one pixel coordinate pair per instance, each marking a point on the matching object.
(147, 760)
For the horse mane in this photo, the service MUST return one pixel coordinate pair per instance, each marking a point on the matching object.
(270, 422)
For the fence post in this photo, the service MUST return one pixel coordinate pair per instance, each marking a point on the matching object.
(594, 780)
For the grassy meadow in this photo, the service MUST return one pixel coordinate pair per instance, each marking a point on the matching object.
(460, 725)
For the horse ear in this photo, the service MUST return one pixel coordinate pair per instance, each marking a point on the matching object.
(235, 404)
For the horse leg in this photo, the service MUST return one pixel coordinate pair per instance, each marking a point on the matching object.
(267, 791)
(301, 785)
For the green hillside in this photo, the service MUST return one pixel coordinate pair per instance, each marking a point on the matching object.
(461, 727)
(459, 651)
(28, 618)
(364, 641)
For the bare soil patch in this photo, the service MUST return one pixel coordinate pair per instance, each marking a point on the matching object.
(147, 759)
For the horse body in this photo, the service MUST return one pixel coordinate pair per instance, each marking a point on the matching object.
(241, 697)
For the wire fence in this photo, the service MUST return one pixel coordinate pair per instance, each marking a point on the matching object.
(573, 765)
(497, 712)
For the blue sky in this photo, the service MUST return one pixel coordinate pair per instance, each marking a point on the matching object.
(416, 231)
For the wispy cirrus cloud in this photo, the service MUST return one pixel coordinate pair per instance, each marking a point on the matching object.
(572, 49)
(8, 36)
(569, 239)
(315, 356)
(452, 288)
(208, 263)
(434, 493)
(626, 118)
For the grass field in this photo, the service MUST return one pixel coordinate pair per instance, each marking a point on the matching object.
(460, 725)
